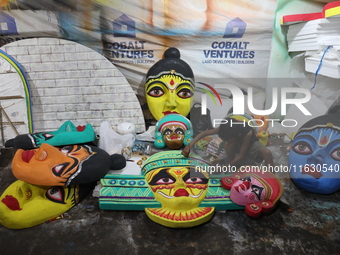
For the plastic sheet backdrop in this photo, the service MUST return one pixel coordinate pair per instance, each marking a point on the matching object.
(238, 42)
(219, 39)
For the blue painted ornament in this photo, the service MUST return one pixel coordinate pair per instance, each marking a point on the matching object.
(314, 158)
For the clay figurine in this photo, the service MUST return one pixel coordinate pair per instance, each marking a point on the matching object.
(252, 187)
(169, 86)
(173, 131)
(24, 205)
(68, 165)
(314, 157)
(67, 134)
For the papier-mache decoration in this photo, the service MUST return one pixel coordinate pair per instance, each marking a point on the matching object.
(173, 131)
(263, 137)
(180, 185)
(24, 205)
(256, 189)
(314, 156)
(262, 125)
(67, 134)
(174, 191)
(169, 85)
(68, 165)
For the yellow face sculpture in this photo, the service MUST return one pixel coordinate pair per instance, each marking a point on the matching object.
(23, 205)
(169, 93)
(178, 188)
(180, 185)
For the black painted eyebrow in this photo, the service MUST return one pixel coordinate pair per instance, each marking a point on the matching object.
(167, 129)
(152, 83)
(186, 84)
(194, 173)
(306, 136)
(181, 129)
(334, 141)
(162, 174)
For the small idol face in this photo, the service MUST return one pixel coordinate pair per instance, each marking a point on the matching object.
(169, 94)
(247, 190)
(50, 165)
(173, 136)
(178, 188)
(24, 205)
(314, 160)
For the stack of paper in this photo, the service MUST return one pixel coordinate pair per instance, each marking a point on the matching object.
(314, 35)
(318, 34)
(326, 63)
(329, 68)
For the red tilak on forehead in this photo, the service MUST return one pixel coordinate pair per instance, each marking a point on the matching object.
(324, 140)
(172, 82)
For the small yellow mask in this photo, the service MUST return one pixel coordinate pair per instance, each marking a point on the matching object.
(173, 136)
(24, 205)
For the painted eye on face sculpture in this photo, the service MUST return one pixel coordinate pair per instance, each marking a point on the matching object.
(257, 190)
(246, 179)
(192, 180)
(336, 154)
(58, 170)
(185, 93)
(164, 181)
(48, 136)
(302, 148)
(66, 149)
(156, 92)
(167, 132)
(55, 194)
(179, 131)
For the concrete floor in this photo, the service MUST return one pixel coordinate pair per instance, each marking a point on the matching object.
(303, 223)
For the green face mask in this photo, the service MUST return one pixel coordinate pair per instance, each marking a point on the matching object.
(67, 134)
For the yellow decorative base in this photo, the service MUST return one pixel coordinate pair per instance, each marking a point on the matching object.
(178, 219)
